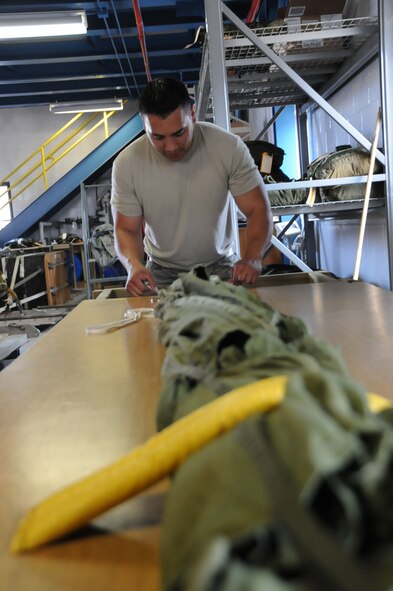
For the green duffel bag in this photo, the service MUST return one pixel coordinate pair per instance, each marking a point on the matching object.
(343, 163)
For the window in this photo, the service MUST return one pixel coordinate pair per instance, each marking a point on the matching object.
(5, 205)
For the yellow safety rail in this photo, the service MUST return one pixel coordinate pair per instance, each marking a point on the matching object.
(47, 160)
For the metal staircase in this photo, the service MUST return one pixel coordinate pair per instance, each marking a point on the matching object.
(56, 196)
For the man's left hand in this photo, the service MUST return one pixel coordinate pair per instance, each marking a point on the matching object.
(246, 271)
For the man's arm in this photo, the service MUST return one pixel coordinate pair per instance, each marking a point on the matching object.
(255, 206)
(129, 248)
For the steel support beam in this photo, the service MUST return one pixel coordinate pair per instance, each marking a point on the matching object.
(304, 154)
(203, 89)
(270, 123)
(86, 238)
(218, 76)
(386, 44)
(218, 80)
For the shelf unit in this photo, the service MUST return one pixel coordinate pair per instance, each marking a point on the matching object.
(248, 67)
(278, 80)
(315, 51)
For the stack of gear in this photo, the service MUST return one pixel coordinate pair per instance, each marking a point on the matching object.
(102, 244)
(21, 243)
(67, 238)
(16, 246)
(298, 499)
(343, 162)
(269, 158)
(8, 295)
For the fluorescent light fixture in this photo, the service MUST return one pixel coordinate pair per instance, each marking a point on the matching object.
(87, 106)
(42, 24)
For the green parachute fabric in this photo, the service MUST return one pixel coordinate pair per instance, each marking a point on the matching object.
(300, 499)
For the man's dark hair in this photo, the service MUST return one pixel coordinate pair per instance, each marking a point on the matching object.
(162, 96)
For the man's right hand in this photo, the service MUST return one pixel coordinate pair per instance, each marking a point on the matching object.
(140, 282)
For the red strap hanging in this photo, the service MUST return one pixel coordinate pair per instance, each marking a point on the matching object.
(252, 13)
(141, 37)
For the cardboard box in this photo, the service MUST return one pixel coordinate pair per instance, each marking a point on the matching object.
(57, 288)
(304, 8)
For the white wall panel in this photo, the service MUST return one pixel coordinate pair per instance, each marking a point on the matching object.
(358, 102)
(338, 246)
(257, 119)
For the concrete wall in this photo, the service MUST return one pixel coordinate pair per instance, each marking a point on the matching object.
(358, 102)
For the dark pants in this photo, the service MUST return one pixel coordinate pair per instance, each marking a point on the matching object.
(165, 275)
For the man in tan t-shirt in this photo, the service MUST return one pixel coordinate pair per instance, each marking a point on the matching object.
(176, 183)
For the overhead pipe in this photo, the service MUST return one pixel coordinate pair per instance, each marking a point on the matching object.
(252, 13)
(125, 49)
(141, 37)
(104, 16)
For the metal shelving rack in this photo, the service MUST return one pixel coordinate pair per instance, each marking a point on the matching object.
(245, 67)
(314, 50)
(270, 66)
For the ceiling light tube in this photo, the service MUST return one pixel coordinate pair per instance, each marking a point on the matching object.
(87, 106)
(42, 24)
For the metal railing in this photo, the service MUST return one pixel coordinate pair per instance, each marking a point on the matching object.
(48, 155)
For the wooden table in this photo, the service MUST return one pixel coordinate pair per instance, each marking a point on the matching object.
(355, 317)
(73, 403)
(70, 405)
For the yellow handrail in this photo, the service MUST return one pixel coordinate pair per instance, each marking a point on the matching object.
(48, 156)
(78, 141)
(73, 134)
(45, 157)
(43, 145)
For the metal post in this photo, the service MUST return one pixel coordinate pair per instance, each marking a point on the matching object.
(270, 123)
(86, 239)
(218, 77)
(44, 168)
(203, 89)
(304, 154)
(219, 87)
(386, 50)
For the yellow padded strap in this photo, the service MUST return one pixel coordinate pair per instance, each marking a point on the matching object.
(77, 504)
(147, 464)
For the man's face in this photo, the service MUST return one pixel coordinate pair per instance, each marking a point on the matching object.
(172, 136)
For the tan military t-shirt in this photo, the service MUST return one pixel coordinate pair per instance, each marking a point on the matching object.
(185, 204)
